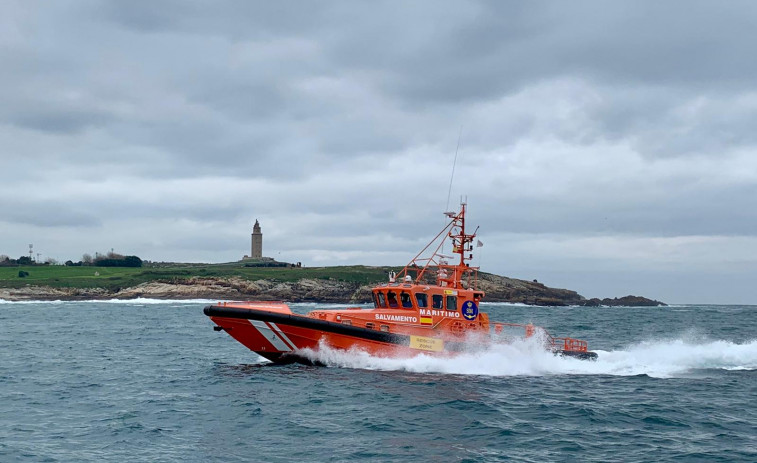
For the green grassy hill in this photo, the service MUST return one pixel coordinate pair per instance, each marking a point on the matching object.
(113, 278)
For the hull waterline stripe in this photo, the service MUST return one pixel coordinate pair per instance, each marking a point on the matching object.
(271, 336)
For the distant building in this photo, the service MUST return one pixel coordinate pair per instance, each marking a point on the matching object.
(256, 259)
(257, 241)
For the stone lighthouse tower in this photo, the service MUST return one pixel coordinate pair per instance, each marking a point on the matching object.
(257, 241)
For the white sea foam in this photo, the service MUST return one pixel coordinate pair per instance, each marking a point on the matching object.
(655, 358)
(504, 304)
(138, 300)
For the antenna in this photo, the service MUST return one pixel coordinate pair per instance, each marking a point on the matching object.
(449, 193)
(31, 252)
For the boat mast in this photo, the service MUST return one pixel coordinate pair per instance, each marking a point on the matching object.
(448, 274)
(462, 243)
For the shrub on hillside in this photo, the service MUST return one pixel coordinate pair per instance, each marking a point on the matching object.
(127, 261)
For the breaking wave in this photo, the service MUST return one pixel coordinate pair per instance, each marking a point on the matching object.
(660, 359)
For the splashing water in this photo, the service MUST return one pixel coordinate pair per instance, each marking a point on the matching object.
(527, 357)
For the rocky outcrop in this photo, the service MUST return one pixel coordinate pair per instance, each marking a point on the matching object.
(625, 301)
(497, 289)
(504, 289)
(47, 293)
(304, 290)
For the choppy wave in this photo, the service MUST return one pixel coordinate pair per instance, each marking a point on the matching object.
(660, 359)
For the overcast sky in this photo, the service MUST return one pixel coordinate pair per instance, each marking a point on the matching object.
(605, 147)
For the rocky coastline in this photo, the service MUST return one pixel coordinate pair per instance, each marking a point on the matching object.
(497, 288)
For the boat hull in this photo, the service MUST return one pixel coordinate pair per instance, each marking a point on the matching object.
(284, 337)
(587, 355)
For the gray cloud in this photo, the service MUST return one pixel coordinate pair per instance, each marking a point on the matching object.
(585, 127)
(47, 214)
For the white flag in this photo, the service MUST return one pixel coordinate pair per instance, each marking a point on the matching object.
(479, 243)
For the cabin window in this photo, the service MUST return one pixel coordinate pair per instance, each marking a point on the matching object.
(421, 299)
(437, 301)
(369, 325)
(385, 328)
(347, 322)
(406, 301)
(381, 299)
(451, 302)
(375, 300)
(391, 297)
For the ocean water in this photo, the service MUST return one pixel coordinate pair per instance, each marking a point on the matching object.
(151, 381)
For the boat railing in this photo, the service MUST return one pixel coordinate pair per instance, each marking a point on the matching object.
(529, 330)
(569, 344)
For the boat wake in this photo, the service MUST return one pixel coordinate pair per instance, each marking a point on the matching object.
(660, 359)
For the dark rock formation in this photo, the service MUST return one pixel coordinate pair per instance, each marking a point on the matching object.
(626, 301)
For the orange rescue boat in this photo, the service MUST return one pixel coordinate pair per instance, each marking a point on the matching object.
(431, 306)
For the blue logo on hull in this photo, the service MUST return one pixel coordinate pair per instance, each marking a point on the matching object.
(470, 310)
